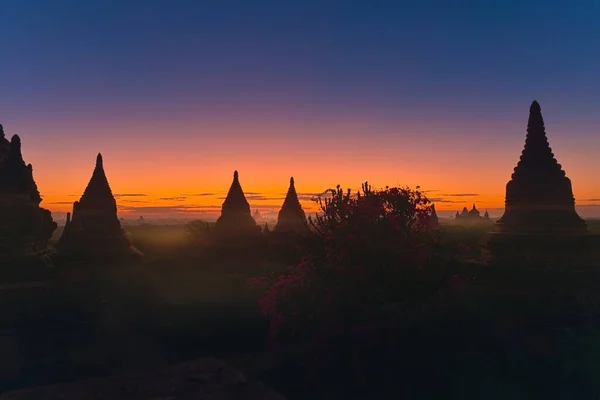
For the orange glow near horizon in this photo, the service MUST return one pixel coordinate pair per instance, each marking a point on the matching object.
(154, 176)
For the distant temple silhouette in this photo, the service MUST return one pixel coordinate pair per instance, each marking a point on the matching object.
(94, 230)
(472, 215)
(539, 222)
(25, 227)
(258, 218)
(291, 217)
(236, 218)
(433, 221)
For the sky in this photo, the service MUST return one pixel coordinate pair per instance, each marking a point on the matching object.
(178, 94)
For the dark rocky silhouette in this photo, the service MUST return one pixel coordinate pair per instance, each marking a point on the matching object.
(539, 221)
(94, 230)
(25, 227)
(236, 218)
(291, 217)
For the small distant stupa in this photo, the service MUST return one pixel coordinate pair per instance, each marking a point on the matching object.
(466, 215)
(25, 227)
(539, 221)
(94, 230)
(291, 217)
(236, 217)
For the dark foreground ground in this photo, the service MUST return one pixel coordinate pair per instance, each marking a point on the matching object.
(514, 334)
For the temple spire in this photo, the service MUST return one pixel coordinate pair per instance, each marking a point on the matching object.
(291, 216)
(539, 204)
(1, 132)
(236, 217)
(98, 194)
(537, 156)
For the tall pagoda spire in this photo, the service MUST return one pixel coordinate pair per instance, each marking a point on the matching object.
(291, 216)
(98, 188)
(236, 216)
(539, 196)
(94, 229)
(537, 159)
(235, 199)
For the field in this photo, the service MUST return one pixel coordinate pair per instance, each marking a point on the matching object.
(183, 302)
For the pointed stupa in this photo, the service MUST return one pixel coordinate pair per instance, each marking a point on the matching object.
(433, 220)
(95, 230)
(539, 223)
(236, 217)
(539, 196)
(291, 216)
(97, 193)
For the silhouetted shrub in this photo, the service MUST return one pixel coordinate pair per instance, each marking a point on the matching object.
(198, 231)
(372, 262)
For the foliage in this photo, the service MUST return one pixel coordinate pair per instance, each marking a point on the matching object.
(198, 231)
(371, 261)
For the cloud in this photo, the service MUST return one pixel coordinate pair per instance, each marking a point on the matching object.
(130, 195)
(430, 190)
(257, 197)
(61, 202)
(175, 198)
(442, 200)
(198, 194)
(187, 209)
(307, 198)
(460, 194)
(591, 200)
(263, 197)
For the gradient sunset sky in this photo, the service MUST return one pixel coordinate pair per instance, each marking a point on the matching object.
(177, 94)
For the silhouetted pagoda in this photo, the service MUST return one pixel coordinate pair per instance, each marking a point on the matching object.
(25, 227)
(291, 217)
(539, 222)
(433, 221)
(94, 230)
(466, 215)
(236, 217)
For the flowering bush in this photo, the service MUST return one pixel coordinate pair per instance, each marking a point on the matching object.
(373, 260)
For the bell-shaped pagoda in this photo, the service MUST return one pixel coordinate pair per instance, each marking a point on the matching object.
(236, 217)
(539, 196)
(291, 217)
(26, 228)
(539, 220)
(93, 229)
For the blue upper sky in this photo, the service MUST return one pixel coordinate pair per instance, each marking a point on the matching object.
(392, 55)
